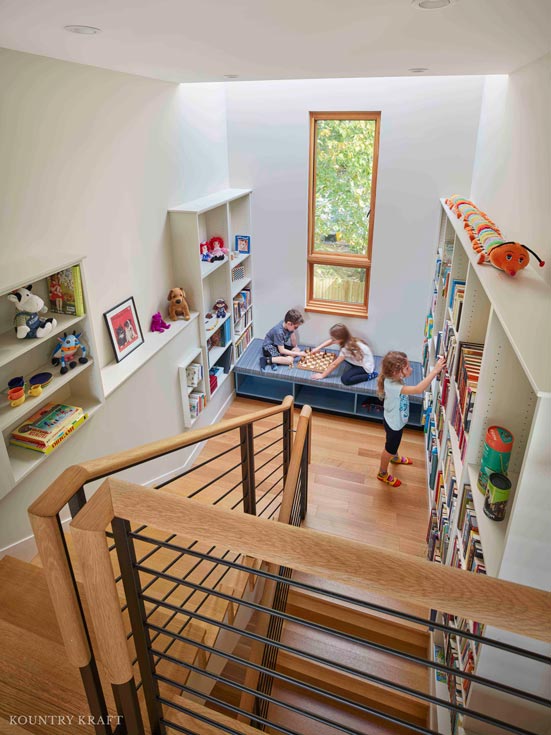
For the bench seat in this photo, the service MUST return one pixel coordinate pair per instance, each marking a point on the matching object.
(328, 394)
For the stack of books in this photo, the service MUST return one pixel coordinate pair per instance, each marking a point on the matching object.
(468, 370)
(197, 402)
(46, 429)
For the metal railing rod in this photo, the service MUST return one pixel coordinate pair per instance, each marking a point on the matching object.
(388, 611)
(228, 492)
(354, 672)
(215, 479)
(198, 466)
(277, 612)
(268, 446)
(261, 467)
(267, 431)
(273, 500)
(185, 611)
(364, 709)
(269, 490)
(261, 482)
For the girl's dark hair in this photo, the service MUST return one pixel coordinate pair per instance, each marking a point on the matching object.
(341, 333)
(391, 363)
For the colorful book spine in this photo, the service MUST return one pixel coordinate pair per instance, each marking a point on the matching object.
(65, 292)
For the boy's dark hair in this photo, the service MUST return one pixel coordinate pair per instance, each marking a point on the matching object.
(294, 316)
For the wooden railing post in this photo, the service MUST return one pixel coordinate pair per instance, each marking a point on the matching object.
(247, 468)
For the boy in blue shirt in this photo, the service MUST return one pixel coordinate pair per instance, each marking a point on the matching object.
(280, 343)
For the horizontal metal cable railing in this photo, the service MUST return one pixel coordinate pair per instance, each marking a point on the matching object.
(256, 458)
(345, 691)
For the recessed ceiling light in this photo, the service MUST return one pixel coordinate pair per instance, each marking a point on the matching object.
(432, 4)
(83, 30)
(231, 76)
(418, 69)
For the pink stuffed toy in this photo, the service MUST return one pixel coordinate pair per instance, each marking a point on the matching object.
(217, 251)
(158, 324)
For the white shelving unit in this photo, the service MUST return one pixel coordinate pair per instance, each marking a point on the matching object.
(80, 386)
(225, 214)
(510, 317)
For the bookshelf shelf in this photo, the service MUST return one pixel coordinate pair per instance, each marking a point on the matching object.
(115, 374)
(497, 375)
(10, 350)
(80, 386)
(224, 214)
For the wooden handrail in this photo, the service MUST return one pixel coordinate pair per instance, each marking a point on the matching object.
(65, 486)
(505, 605)
(48, 535)
(289, 489)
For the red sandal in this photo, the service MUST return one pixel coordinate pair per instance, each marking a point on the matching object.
(389, 479)
(401, 460)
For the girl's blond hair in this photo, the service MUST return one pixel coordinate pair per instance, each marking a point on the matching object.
(391, 364)
(341, 334)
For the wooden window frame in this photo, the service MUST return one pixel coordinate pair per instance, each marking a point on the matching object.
(323, 306)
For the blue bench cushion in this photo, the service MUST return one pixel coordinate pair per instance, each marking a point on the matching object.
(249, 364)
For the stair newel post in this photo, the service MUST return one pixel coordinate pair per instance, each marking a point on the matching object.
(247, 468)
(126, 555)
(287, 440)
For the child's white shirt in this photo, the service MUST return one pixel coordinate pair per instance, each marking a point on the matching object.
(367, 361)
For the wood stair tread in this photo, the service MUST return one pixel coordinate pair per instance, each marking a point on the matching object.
(357, 622)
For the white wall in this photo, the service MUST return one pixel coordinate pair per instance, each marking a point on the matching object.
(427, 145)
(91, 160)
(512, 173)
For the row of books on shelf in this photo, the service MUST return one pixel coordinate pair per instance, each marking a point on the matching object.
(243, 342)
(241, 303)
(46, 429)
(455, 302)
(197, 402)
(221, 337)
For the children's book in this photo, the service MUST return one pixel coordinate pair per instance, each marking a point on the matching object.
(65, 292)
(60, 437)
(42, 429)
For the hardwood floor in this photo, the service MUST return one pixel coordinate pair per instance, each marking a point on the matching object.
(345, 497)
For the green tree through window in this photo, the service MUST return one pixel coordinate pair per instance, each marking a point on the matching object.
(343, 166)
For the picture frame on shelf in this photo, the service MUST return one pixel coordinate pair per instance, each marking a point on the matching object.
(243, 244)
(124, 328)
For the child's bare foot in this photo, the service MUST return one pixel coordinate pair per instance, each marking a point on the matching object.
(290, 361)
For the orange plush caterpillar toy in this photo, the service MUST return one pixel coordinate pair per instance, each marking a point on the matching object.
(508, 256)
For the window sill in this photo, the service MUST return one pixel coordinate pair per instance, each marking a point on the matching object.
(358, 311)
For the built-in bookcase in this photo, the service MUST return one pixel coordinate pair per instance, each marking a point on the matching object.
(226, 214)
(495, 332)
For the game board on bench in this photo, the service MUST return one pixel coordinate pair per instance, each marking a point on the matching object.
(316, 362)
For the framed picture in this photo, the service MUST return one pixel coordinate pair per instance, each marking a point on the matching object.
(124, 328)
(243, 243)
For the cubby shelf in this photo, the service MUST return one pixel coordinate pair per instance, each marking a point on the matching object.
(224, 214)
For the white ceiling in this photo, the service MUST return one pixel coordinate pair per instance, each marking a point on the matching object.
(201, 41)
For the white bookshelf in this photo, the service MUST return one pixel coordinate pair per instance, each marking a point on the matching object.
(225, 214)
(80, 386)
(510, 317)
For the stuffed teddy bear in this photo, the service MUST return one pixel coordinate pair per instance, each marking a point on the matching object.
(28, 325)
(158, 324)
(177, 304)
(217, 251)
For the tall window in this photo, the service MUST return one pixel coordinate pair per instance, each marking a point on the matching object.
(344, 149)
